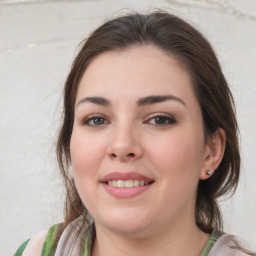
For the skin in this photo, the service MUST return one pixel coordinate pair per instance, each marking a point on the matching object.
(126, 137)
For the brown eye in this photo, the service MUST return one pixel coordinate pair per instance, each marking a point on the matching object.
(161, 120)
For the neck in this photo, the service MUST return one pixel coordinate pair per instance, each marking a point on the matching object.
(188, 240)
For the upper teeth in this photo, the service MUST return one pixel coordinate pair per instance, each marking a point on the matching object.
(126, 183)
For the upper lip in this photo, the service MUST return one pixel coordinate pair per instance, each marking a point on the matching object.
(125, 176)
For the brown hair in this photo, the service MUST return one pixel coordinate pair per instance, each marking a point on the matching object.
(175, 37)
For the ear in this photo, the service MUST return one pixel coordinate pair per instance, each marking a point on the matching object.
(214, 151)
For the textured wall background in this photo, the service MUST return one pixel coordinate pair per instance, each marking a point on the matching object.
(38, 41)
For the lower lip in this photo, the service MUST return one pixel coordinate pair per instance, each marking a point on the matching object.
(126, 192)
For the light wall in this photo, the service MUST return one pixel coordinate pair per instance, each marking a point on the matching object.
(38, 41)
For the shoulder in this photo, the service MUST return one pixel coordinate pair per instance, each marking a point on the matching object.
(58, 240)
(230, 245)
(43, 241)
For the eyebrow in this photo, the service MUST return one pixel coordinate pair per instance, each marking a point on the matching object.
(157, 99)
(149, 100)
(96, 100)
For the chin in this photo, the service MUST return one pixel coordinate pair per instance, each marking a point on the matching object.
(125, 222)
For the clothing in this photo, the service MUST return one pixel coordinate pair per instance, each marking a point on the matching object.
(77, 240)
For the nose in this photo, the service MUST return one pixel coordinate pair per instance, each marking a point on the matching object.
(124, 144)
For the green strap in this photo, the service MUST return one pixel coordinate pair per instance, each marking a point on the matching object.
(213, 238)
(21, 249)
(49, 246)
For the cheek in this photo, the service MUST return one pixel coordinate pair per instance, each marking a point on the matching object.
(178, 155)
(86, 157)
(86, 153)
(180, 145)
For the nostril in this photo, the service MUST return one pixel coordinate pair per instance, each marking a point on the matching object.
(122, 156)
(113, 155)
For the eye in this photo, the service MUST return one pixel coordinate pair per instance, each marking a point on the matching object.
(95, 121)
(161, 120)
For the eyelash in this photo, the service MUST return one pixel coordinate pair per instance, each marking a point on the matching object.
(87, 120)
(168, 120)
(165, 120)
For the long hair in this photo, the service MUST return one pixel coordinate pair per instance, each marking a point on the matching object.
(177, 38)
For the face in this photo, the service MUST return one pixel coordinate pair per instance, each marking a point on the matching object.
(137, 146)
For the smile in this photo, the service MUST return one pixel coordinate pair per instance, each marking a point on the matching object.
(127, 183)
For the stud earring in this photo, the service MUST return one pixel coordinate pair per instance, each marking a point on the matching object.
(209, 173)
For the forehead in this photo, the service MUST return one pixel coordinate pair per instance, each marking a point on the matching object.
(138, 69)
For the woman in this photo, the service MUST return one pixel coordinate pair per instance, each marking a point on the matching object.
(147, 145)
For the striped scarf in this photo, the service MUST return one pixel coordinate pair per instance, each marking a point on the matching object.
(77, 240)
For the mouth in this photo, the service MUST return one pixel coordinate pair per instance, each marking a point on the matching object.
(125, 185)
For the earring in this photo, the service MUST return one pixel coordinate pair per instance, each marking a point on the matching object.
(209, 173)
